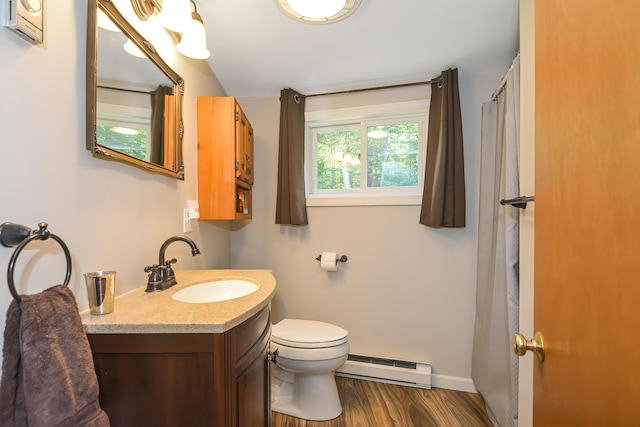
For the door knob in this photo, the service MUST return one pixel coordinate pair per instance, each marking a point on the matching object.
(536, 345)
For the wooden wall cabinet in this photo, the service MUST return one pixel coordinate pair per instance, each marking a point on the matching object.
(218, 380)
(225, 159)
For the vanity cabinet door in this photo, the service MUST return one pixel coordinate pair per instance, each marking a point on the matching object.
(159, 380)
(253, 390)
(252, 375)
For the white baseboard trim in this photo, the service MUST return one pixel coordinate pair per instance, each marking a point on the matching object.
(453, 383)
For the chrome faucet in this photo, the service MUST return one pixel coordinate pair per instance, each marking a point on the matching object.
(161, 275)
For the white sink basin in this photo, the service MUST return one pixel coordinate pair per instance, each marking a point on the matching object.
(215, 291)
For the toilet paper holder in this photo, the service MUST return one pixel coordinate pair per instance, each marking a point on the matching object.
(343, 258)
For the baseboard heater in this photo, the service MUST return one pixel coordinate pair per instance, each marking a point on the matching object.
(391, 371)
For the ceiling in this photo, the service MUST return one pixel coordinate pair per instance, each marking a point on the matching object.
(256, 50)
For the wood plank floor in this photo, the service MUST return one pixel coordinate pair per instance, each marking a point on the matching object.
(373, 404)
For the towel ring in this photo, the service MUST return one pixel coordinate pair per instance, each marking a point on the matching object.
(20, 236)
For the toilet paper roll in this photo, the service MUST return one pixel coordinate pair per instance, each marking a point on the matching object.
(329, 261)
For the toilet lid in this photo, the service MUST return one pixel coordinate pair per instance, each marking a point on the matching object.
(307, 334)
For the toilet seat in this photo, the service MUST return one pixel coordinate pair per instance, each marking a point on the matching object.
(308, 334)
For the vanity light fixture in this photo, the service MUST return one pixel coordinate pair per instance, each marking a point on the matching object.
(194, 38)
(317, 11)
(180, 17)
(175, 15)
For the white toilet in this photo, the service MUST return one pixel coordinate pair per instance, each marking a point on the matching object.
(302, 382)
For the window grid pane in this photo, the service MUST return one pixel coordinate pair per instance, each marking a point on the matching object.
(338, 159)
(392, 155)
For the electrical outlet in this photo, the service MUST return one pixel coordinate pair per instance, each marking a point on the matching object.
(187, 226)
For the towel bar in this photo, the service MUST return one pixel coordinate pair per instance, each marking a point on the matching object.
(18, 235)
(518, 202)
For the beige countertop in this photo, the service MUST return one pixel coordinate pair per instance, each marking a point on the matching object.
(139, 312)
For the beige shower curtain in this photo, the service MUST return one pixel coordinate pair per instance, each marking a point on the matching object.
(494, 365)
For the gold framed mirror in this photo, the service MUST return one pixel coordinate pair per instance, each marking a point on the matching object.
(134, 99)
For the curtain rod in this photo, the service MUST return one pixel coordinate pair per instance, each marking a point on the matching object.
(501, 86)
(124, 90)
(503, 82)
(432, 81)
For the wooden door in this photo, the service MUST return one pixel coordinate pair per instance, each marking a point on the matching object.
(587, 225)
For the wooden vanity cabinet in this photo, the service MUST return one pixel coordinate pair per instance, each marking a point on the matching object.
(216, 380)
(225, 159)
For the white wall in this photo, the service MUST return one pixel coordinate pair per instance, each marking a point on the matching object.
(407, 291)
(111, 215)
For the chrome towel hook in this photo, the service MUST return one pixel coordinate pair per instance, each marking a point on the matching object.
(18, 235)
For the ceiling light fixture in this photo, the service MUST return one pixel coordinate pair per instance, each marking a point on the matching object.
(318, 11)
(124, 131)
(378, 134)
(181, 17)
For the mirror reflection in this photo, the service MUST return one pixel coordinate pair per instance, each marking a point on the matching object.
(135, 112)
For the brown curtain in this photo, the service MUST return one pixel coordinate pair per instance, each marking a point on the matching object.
(291, 204)
(157, 124)
(443, 199)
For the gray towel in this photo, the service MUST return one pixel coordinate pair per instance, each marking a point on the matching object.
(48, 376)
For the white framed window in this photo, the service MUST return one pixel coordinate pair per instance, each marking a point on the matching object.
(372, 155)
(124, 129)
